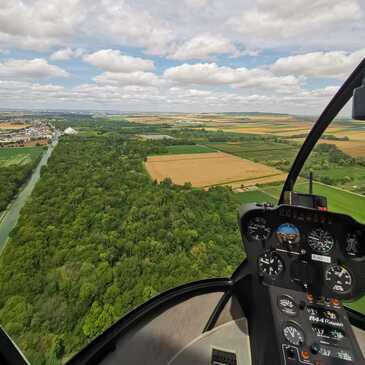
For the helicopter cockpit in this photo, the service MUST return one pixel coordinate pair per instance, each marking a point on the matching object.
(284, 303)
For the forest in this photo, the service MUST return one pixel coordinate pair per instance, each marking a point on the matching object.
(98, 237)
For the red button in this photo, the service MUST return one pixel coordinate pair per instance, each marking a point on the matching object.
(335, 302)
(305, 355)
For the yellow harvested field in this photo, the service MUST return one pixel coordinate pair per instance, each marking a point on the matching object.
(207, 169)
(352, 148)
(353, 135)
(13, 126)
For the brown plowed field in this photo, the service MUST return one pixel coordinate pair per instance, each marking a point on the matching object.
(206, 169)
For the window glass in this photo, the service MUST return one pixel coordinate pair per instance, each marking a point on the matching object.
(118, 210)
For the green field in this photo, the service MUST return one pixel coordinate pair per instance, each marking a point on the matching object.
(185, 149)
(255, 196)
(260, 151)
(16, 165)
(19, 156)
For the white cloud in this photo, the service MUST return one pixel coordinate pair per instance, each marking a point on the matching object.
(65, 54)
(159, 27)
(212, 74)
(35, 69)
(37, 24)
(275, 23)
(132, 25)
(132, 78)
(335, 64)
(196, 3)
(203, 46)
(114, 61)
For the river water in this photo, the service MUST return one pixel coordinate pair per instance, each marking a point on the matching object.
(11, 216)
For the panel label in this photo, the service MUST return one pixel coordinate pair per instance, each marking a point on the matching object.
(321, 258)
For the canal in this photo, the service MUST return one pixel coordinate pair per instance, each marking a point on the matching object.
(9, 220)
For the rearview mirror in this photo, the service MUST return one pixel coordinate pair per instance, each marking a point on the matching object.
(358, 103)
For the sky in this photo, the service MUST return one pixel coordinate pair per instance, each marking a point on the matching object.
(178, 55)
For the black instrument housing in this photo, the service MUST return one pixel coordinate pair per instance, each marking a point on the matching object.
(301, 272)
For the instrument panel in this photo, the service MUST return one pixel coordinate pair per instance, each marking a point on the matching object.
(311, 331)
(305, 249)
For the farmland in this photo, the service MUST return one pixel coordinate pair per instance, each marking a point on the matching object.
(261, 151)
(10, 126)
(186, 149)
(19, 156)
(203, 170)
(16, 165)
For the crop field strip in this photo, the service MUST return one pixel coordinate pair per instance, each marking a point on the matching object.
(203, 170)
(186, 149)
(15, 126)
(262, 152)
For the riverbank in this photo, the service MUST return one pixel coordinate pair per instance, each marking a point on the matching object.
(11, 215)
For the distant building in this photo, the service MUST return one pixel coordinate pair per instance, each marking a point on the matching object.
(69, 131)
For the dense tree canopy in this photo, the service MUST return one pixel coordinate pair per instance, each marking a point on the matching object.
(98, 237)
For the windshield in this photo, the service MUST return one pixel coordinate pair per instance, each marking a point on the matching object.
(337, 165)
(130, 134)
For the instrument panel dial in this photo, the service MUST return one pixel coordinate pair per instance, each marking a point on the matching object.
(287, 305)
(287, 233)
(320, 241)
(258, 229)
(293, 334)
(270, 264)
(354, 246)
(338, 279)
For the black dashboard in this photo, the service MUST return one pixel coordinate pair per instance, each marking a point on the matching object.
(309, 260)
(304, 249)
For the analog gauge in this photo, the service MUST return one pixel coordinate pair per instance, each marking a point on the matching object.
(288, 233)
(258, 229)
(320, 241)
(338, 279)
(293, 334)
(270, 264)
(354, 247)
(287, 305)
